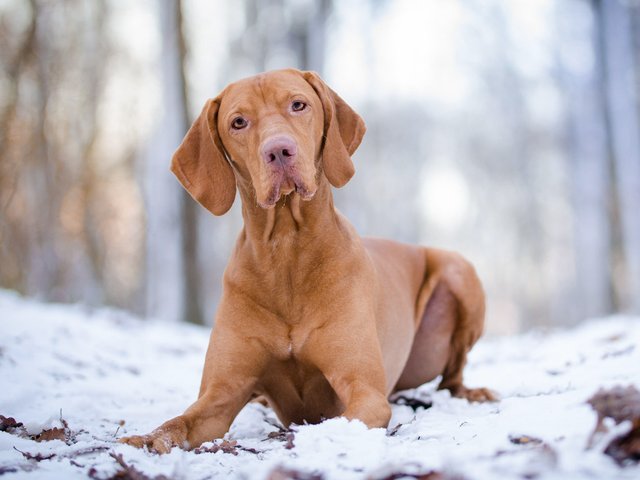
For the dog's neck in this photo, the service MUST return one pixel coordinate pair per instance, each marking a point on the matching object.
(289, 217)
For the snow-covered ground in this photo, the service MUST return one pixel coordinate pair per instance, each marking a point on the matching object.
(108, 374)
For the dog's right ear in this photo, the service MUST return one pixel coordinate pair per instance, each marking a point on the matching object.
(201, 166)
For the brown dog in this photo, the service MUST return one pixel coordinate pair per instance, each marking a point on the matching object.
(318, 320)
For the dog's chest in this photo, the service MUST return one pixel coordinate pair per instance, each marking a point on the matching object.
(291, 343)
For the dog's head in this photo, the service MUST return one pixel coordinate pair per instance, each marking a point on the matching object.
(276, 132)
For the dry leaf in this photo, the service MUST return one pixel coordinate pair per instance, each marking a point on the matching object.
(225, 446)
(524, 440)
(126, 473)
(51, 434)
(8, 423)
(286, 436)
(620, 404)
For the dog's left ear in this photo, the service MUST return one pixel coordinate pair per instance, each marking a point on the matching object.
(343, 132)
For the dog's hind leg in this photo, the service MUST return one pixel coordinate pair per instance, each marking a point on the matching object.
(451, 323)
(466, 290)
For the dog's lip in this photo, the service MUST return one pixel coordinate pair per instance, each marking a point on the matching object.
(272, 199)
(304, 192)
(286, 186)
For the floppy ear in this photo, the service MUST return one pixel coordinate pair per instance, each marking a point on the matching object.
(201, 166)
(343, 132)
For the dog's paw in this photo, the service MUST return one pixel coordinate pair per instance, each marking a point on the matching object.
(137, 441)
(474, 394)
(170, 434)
(481, 395)
(158, 443)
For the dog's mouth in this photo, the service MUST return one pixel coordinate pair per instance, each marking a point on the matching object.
(286, 183)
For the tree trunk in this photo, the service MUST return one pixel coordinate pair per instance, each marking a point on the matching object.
(590, 173)
(192, 311)
(165, 292)
(624, 126)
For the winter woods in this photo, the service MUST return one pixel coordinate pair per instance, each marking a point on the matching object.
(509, 131)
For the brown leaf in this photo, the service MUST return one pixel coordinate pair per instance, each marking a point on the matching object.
(65, 434)
(625, 448)
(8, 423)
(127, 472)
(524, 440)
(286, 436)
(620, 404)
(225, 446)
(51, 434)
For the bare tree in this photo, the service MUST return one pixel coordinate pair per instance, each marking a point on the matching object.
(192, 311)
(165, 291)
(589, 166)
(621, 86)
(47, 154)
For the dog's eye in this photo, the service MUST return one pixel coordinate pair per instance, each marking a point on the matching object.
(238, 123)
(298, 106)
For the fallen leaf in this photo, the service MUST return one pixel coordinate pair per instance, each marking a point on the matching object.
(51, 434)
(225, 446)
(524, 440)
(8, 423)
(65, 434)
(620, 404)
(625, 448)
(286, 436)
(127, 472)
(38, 457)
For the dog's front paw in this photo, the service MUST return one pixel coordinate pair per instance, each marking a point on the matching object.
(170, 434)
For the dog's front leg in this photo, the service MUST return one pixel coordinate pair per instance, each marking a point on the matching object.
(232, 368)
(208, 418)
(351, 361)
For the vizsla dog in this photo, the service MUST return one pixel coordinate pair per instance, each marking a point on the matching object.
(316, 319)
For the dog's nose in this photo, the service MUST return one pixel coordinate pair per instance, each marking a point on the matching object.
(281, 149)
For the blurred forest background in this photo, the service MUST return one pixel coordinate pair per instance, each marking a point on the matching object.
(507, 130)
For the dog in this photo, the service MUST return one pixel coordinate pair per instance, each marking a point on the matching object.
(315, 319)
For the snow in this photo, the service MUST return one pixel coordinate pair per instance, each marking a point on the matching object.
(101, 368)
